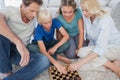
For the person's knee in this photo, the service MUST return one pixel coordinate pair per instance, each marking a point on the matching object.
(66, 45)
(44, 62)
(81, 52)
(41, 59)
(41, 63)
(84, 51)
(70, 55)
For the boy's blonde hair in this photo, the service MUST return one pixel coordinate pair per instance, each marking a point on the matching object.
(43, 16)
(93, 7)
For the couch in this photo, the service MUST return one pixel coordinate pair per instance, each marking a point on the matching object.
(108, 5)
(53, 5)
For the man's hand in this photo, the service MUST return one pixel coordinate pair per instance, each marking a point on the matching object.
(25, 57)
(7, 32)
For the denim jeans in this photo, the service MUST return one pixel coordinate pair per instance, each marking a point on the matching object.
(9, 55)
(73, 45)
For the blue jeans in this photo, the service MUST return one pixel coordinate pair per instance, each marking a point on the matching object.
(9, 55)
(73, 45)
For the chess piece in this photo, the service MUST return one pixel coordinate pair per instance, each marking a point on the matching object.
(77, 78)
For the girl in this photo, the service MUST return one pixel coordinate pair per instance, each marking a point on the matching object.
(72, 21)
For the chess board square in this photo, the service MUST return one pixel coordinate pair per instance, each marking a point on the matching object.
(55, 75)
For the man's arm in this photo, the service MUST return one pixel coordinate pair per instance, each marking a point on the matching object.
(7, 32)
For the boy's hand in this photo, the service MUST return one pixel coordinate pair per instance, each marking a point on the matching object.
(52, 50)
(61, 68)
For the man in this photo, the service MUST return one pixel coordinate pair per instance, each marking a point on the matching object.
(16, 28)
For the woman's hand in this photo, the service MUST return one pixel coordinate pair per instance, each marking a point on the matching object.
(73, 66)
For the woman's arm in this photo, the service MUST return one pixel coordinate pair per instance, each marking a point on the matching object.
(82, 61)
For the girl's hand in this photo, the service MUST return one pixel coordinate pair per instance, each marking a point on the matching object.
(76, 51)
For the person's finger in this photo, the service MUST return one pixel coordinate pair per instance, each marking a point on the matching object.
(24, 60)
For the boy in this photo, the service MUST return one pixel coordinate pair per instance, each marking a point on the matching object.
(44, 38)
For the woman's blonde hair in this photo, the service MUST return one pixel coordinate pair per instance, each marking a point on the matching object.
(93, 7)
(43, 15)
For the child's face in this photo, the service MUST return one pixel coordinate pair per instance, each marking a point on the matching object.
(67, 12)
(47, 24)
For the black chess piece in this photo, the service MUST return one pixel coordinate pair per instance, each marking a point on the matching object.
(77, 78)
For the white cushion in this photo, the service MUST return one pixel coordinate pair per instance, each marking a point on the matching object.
(53, 11)
(45, 3)
(104, 3)
(112, 4)
(54, 3)
(109, 10)
(78, 2)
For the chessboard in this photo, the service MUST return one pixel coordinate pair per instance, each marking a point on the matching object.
(55, 75)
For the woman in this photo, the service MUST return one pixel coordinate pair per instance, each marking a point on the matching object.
(72, 21)
(104, 39)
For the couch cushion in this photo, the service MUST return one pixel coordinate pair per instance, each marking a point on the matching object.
(56, 3)
(109, 10)
(45, 3)
(53, 11)
(113, 3)
(104, 3)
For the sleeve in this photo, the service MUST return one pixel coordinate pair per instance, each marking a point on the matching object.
(103, 38)
(38, 33)
(6, 11)
(57, 23)
(79, 13)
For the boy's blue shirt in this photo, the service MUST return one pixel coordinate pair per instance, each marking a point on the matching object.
(41, 34)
